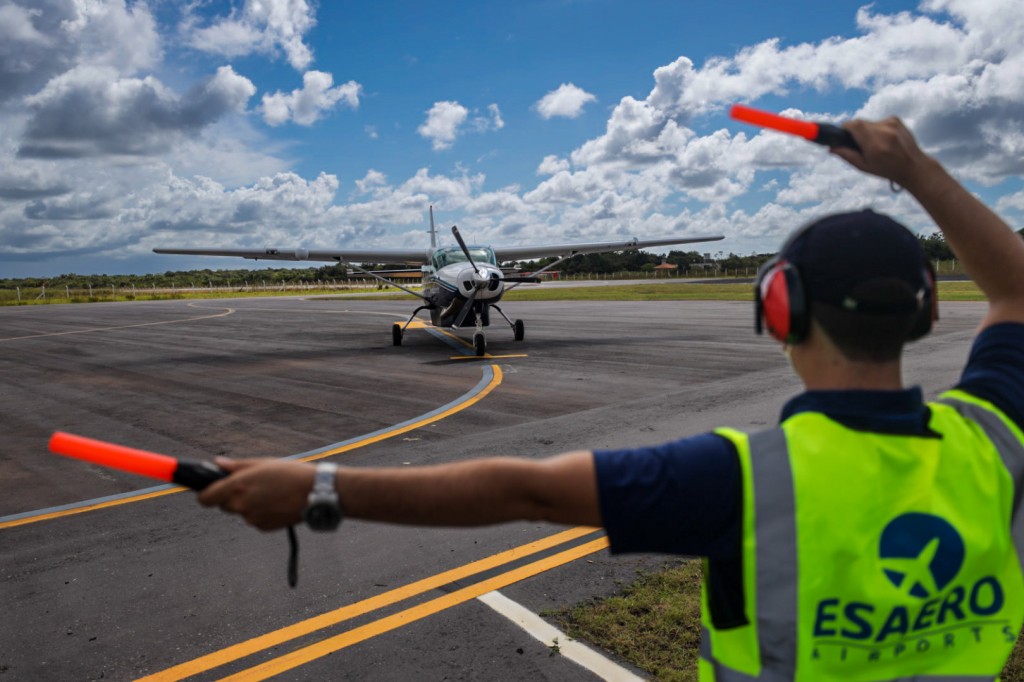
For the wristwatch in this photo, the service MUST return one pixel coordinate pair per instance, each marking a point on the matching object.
(323, 512)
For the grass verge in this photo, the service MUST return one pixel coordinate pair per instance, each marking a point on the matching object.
(674, 291)
(654, 624)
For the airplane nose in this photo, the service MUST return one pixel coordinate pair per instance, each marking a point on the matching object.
(495, 282)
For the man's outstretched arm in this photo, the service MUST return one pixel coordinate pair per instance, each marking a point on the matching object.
(272, 494)
(990, 252)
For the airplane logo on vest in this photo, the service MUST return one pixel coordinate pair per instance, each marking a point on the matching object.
(921, 554)
(936, 610)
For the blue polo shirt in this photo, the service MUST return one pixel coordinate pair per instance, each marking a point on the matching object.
(684, 497)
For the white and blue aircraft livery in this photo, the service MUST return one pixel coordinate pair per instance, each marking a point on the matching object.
(460, 283)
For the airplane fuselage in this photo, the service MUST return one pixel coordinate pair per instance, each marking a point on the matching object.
(450, 280)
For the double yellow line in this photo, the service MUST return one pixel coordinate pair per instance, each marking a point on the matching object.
(311, 652)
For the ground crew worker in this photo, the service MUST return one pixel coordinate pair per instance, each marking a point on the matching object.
(870, 536)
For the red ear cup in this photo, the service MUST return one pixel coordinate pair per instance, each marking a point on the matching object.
(781, 303)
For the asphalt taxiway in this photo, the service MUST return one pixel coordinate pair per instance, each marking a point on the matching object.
(107, 575)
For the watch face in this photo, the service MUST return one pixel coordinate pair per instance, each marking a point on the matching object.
(323, 516)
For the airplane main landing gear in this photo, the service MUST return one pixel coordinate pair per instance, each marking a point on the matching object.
(479, 344)
(518, 328)
(398, 329)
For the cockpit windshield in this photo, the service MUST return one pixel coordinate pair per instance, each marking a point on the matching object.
(453, 254)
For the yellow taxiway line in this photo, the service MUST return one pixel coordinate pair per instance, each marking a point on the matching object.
(319, 649)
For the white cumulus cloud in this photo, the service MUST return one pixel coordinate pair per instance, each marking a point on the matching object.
(90, 111)
(446, 120)
(308, 104)
(552, 164)
(262, 26)
(442, 124)
(566, 101)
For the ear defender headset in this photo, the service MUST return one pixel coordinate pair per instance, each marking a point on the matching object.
(782, 306)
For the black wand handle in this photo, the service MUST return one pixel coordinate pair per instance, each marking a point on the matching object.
(834, 136)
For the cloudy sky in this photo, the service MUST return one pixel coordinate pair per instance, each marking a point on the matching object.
(130, 125)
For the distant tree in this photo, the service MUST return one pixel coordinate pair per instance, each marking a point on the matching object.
(935, 247)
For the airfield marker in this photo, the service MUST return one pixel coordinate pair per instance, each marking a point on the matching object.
(821, 133)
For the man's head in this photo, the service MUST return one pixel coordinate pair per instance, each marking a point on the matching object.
(862, 277)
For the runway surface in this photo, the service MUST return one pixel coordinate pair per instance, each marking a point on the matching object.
(100, 581)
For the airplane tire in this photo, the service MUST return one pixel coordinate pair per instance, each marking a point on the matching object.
(396, 334)
(519, 330)
(479, 344)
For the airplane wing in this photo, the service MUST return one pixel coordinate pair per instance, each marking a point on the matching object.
(407, 256)
(422, 256)
(511, 253)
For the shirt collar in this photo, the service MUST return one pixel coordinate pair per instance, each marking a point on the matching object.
(899, 411)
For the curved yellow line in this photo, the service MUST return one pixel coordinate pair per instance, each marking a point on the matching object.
(92, 507)
(495, 381)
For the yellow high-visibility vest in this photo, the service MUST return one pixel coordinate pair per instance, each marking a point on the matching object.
(871, 556)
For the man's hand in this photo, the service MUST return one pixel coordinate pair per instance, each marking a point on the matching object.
(987, 248)
(268, 493)
(887, 149)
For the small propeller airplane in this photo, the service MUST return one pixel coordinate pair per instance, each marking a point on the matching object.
(460, 283)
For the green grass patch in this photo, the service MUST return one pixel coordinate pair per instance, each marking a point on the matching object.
(681, 291)
(691, 291)
(654, 624)
(670, 291)
(959, 290)
(53, 296)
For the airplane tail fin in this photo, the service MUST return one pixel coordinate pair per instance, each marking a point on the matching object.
(433, 232)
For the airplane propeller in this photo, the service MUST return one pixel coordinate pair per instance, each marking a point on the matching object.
(465, 250)
(478, 282)
(466, 307)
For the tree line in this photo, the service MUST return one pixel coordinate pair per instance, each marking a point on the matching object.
(934, 246)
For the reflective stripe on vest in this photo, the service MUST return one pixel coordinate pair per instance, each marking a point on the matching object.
(1010, 449)
(776, 559)
(775, 530)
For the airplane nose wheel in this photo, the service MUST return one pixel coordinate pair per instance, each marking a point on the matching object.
(519, 330)
(479, 344)
(396, 334)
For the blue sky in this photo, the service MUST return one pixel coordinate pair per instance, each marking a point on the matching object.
(126, 126)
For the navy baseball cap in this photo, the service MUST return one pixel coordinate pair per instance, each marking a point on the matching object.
(863, 262)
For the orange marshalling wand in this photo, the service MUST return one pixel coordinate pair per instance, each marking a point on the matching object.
(195, 475)
(821, 133)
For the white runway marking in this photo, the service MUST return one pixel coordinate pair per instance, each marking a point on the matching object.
(227, 311)
(550, 636)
